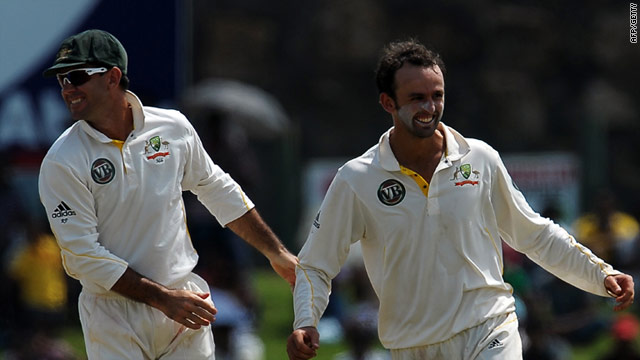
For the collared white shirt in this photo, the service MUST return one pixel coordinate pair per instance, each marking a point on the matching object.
(113, 204)
(432, 251)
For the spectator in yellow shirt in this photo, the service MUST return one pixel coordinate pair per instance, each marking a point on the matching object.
(37, 269)
(610, 233)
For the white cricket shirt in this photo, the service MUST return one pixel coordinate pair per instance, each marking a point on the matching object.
(113, 204)
(432, 251)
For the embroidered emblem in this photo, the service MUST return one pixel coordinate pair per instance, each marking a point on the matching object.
(467, 172)
(102, 171)
(465, 169)
(156, 149)
(64, 53)
(391, 192)
(155, 143)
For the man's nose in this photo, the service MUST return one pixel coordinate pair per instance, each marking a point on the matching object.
(429, 106)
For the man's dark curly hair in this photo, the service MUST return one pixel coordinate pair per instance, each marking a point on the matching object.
(395, 55)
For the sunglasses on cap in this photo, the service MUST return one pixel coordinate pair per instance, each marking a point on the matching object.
(77, 77)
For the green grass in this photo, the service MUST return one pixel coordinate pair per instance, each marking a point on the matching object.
(593, 351)
(276, 318)
(73, 336)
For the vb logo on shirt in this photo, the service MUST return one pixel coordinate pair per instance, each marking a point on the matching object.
(102, 171)
(391, 192)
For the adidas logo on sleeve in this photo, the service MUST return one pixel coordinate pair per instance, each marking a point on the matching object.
(62, 211)
(495, 343)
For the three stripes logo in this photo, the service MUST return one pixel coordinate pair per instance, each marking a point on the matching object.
(495, 343)
(62, 211)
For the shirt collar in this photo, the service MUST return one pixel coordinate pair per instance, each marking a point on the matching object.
(387, 159)
(136, 108)
(457, 145)
(456, 148)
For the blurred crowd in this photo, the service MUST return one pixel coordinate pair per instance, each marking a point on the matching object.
(35, 294)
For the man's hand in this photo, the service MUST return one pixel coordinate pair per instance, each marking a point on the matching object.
(285, 265)
(621, 288)
(256, 232)
(303, 343)
(188, 308)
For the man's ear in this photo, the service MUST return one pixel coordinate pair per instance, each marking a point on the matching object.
(387, 102)
(114, 76)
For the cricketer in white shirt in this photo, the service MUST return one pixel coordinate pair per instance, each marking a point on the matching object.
(113, 204)
(433, 251)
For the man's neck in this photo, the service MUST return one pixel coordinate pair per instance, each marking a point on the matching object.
(421, 155)
(411, 149)
(116, 124)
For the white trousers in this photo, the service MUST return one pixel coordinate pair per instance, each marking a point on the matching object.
(115, 327)
(494, 339)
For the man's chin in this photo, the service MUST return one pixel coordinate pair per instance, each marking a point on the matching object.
(425, 130)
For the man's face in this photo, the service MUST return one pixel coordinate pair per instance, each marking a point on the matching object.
(419, 99)
(83, 100)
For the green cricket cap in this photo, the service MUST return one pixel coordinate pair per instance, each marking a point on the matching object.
(94, 47)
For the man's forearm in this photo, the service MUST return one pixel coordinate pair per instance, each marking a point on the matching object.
(136, 287)
(257, 233)
(189, 308)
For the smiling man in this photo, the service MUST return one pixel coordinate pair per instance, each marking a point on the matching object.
(112, 185)
(430, 208)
